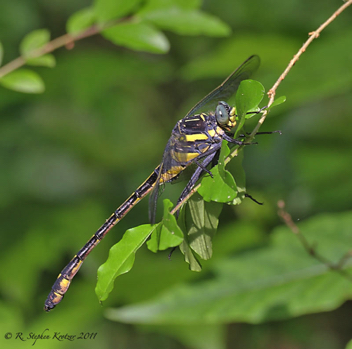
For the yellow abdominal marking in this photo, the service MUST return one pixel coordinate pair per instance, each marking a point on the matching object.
(64, 285)
(185, 157)
(173, 172)
(57, 298)
(75, 269)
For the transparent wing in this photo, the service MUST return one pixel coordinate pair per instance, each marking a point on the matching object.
(153, 198)
(208, 103)
(165, 165)
(228, 87)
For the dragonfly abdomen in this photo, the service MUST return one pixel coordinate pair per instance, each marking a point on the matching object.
(64, 279)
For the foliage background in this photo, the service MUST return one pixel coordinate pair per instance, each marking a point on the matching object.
(70, 156)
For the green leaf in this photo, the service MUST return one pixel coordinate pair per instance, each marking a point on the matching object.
(186, 22)
(190, 256)
(278, 101)
(237, 171)
(153, 243)
(33, 41)
(121, 259)
(199, 220)
(278, 281)
(23, 80)
(165, 4)
(196, 336)
(248, 96)
(222, 187)
(81, 20)
(169, 222)
(349, 345)
(1, 53)
(168, 233)
(113, 9)
(202, 220)
(185, 248)
(47, 60)
(138, 36)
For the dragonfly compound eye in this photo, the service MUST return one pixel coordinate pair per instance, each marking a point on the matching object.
(222, 114)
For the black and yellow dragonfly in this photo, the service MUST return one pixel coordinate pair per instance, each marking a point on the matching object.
(196, 139)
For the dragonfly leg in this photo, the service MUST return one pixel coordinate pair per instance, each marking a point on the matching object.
(236, 141)
(258, 111)
(252, 198)
(258, 133)
(204, 168)
(196, 175)
(269, 132)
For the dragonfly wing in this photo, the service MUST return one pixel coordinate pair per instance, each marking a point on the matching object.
(153, 198)
(168, 171)
(228, 87)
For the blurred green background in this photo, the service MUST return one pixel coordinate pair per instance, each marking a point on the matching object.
(71, 155)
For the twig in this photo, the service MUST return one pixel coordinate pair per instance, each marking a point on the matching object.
(67, 40)
(312, 35)
(185, 199)
(338, 267)
(271, 93)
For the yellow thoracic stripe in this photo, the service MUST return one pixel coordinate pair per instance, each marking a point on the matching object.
(196, 137)
(201, 116)
(212, 132)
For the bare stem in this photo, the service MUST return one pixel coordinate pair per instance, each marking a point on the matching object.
(312, 35)
(67, 40)
(310, 248)
(185, 199)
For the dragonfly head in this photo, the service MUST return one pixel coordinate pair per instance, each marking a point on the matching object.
(225, 115)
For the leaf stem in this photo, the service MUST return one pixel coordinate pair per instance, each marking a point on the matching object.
(67, 40)
(310, 248)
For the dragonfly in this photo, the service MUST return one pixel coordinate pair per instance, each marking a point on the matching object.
(195, 140)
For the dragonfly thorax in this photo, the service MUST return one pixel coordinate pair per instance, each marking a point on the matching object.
(192, 137)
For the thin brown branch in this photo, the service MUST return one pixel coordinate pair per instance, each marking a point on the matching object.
(338, 267)
(185, 199)
(11, 66)
(66, 40)
(312, 35)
